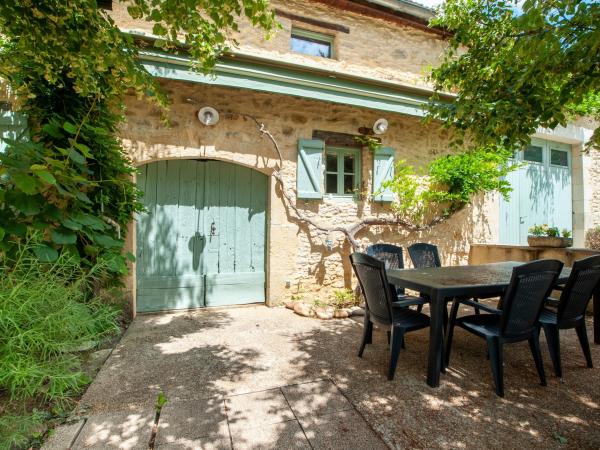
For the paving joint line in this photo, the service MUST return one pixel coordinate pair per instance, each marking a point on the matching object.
(378, 434)
(227, 419)
(296, 417)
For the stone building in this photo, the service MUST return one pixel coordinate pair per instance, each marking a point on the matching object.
(225, 213)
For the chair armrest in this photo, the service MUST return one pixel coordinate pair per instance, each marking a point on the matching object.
(552, 301)
(407, 300)
(482, 306)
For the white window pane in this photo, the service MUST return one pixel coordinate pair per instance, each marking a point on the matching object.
(312, 47)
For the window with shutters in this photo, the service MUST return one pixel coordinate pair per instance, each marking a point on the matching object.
(336, 172)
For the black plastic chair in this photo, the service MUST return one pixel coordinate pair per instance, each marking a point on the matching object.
(393, 258)
(391, 255)
(570, 312)
(424, 255)
(382, 309)
(522, 304)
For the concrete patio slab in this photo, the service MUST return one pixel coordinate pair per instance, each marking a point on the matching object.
(257, 409)
(63, 436)
(316, 398)
(341, 430)
(126, 430)
(218, 354)
(194, 421)
(283, 435)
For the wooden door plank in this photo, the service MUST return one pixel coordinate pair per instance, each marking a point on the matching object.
(212, 222)
(258, 221)
(200, 243)
(141, 222)
(187, 219)
(243, 237)
(149, 220)
(227, 215)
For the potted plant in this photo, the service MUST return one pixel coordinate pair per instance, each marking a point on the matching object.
(545, 236)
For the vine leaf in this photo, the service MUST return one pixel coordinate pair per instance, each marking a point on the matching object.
(63, 237)
(45, 253)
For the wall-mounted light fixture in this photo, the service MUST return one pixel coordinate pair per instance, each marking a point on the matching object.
(380, 126)
(208, 116)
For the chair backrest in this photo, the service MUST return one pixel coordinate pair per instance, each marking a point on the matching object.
(374, 284)
(529, 288)
(584, 280)
(391, 255)
(424, 255)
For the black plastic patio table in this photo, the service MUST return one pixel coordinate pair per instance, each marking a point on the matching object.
(443, 283)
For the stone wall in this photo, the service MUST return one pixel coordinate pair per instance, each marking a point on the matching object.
(373, 48)
(297, 254)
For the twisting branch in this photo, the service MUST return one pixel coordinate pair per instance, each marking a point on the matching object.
(349, 231)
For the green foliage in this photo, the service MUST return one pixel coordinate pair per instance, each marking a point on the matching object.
(343, 298)
(161, 400)
(71, 178)
(518, 66)
(561, 439)
(451, 181)
(17, 431)
(47, 312)
(545, 230)
(372, 143)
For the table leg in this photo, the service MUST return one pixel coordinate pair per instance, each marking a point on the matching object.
(597, 318)
(436, 341)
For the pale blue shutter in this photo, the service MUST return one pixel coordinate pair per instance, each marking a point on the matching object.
(309, 176)
(383, 170)
(12, 126)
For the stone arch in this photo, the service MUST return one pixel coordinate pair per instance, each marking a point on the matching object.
(141, 153)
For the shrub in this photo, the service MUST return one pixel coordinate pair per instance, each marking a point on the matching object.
(49, 312)
(343, 298)
(592, 238)
(545, 230)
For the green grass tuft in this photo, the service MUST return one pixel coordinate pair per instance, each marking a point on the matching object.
(49, 313)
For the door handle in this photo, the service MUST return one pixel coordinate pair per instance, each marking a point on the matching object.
(213, 229)
(521, 219)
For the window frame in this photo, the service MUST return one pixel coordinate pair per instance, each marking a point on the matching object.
(542, 147)
(340, 172)
(315, 37)
(553, 147)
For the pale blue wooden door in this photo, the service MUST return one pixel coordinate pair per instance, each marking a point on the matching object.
(201, 241)
(234, 223)
(541, 191)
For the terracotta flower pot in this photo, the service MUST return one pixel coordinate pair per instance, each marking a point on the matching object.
(549, 241)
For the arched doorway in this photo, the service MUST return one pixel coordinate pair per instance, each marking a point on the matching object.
(201, 240)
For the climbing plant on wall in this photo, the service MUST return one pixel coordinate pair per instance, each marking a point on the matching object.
(69, 68)
(448, 183)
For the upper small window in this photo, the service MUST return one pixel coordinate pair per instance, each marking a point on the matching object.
(534, 153)
(559, 157)
(311, 43)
